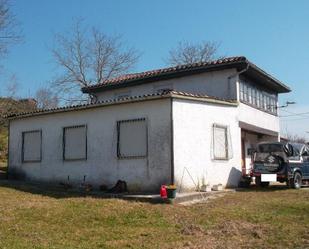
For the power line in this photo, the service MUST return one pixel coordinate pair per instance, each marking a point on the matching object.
(295, 114)
(287, 111)
(285, 120)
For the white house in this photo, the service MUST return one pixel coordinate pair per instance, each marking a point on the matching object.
(189, 125)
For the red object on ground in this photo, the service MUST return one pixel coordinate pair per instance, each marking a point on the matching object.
(163, 192)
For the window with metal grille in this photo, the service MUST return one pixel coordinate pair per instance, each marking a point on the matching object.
(75, 142)
(32, 146)
(220, 142)
(132, 141)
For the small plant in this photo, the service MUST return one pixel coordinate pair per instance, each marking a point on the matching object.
(171, 186)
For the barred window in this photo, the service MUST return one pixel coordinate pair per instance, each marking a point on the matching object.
(75, 142)
(132, 141)
(32, 146)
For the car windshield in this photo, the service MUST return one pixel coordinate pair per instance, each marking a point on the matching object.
(266, 148)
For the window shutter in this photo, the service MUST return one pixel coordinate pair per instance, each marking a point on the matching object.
(75, 143)
(31, 146)
(132, 138)
(220, 142)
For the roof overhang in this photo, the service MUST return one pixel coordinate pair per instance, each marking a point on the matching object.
(258, 130)
(133, 99)
(240, 64)
(266, 80)
(163, 76)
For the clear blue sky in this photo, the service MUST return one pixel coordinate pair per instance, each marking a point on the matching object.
(272, 34)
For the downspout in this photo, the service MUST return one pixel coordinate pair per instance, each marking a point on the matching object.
(172, 142)
(234, 75)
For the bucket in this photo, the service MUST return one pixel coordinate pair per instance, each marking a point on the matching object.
(171, 193)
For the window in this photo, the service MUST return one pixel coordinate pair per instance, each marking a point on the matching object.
(249, 94)
(220, 142)
(245, 93)
(254, 96)
(241, 90)
(32, 146)
(132, 138)
(258, 99)
(75, 143)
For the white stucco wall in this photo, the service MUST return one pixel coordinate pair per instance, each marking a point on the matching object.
(258, 118)
(193, 123)
(102, 165)
(214, 83)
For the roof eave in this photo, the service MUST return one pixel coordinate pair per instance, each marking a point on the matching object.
(272, 82)
(253, 71)
(172, 94)
(164, 76)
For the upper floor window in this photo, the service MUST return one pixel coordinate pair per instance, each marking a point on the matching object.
(256, 97)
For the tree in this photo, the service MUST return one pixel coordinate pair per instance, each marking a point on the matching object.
(187, 53)
(46, 99)
(87, 56)
(294, 138)
(9, 28)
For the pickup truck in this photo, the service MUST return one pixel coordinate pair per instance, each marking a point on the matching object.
(282, 162)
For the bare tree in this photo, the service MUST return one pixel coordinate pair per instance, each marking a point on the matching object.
(88, 56)
(9, 28)
(12, 86)
(12, 103)
(187, 53)
(295, 138)
(45, 99)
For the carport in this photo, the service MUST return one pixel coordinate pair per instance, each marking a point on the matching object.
(250, 136)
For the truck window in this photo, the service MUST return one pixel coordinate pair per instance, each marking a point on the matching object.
(266, 148)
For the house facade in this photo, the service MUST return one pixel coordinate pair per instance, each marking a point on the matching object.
(189, 125)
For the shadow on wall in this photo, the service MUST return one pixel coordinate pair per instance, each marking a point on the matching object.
(17, 179)
(234, 178)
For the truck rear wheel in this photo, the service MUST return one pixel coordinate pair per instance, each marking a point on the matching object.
(296, 181)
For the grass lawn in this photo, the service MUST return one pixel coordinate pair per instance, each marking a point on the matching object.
(32, 217)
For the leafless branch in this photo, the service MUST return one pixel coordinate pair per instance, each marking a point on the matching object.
(9, 27)
(88, 56)
(46, 98)
(187, 53)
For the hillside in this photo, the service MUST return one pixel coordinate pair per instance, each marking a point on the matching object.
(10, 105)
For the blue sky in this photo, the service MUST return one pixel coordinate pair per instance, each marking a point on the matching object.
(272, 34)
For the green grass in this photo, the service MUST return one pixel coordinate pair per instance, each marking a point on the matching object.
(33, 217)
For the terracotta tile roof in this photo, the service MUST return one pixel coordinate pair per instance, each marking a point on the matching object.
(167, 93)
(164, 71)
(237, 62)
